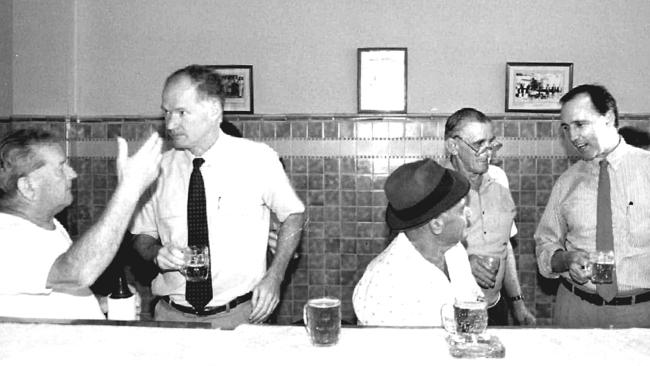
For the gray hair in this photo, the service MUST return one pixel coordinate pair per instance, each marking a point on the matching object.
(455, 121)
(207, 81)
(18, 157)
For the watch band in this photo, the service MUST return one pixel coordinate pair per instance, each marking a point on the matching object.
(516, 298)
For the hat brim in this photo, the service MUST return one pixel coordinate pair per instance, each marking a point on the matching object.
(459, 189)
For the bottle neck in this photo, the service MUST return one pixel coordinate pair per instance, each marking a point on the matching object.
(121, 289)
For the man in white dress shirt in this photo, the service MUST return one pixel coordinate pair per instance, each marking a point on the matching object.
(244, 183)
(425, 266)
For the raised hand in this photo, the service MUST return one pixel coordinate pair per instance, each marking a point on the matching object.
(142, 168)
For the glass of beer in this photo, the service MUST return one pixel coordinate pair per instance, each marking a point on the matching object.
(465, 317)
(197, 263)
(322, 318)
(601, 265)
(492, 263)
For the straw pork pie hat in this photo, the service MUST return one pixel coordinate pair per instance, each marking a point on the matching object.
(420, 191)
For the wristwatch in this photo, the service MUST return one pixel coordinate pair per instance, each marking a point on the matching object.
(516, 298)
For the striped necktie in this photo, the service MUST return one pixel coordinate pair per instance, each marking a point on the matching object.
(198, 293)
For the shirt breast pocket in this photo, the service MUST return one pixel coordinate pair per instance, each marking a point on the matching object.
(239, 208)
(637, 220)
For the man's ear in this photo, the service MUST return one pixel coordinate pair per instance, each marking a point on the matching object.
(610, 118)
(26, 188)
(217, 110)
(437, 225)
(451, 145)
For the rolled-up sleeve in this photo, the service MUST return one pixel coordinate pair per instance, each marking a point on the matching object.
(279, 194)
(144, 219)
(550, 234)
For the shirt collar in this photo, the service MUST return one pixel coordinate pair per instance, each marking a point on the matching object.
(616, 156)
(411, 254)
(215, 151)
(451, 255)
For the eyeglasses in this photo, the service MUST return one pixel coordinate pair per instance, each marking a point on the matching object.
(493, 146)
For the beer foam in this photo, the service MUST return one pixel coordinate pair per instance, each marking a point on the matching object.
(325, 302)
(471, 305)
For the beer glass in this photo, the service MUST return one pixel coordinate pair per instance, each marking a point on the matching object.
(601, 266)
(492, 263)
(322, 318)
(197, 263)
(465, 317)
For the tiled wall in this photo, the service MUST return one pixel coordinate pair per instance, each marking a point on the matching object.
(338, 165)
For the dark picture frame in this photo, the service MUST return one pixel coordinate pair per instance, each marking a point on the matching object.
(238, 86)
(382, 80)
(537, 86)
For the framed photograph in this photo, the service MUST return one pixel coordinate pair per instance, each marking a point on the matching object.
(238, 85)
(381, 80)
(537, 86)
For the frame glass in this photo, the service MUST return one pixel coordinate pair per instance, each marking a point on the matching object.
(238, 87)
(381, 80)
(537, 86)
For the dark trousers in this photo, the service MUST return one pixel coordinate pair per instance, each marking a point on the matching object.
(498, 314)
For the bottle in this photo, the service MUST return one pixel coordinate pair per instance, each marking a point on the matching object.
(121, 302)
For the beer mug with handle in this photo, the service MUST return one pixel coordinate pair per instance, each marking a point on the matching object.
(322, 318)
(465, 317)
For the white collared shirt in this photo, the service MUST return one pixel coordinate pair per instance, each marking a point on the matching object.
(569, 219)
(244, 181)
(401, 288)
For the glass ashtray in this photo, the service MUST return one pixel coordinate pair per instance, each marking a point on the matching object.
(481, 346)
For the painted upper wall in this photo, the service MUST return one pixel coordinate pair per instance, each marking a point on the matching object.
(44, 57)
(304, 51)
(6, 44)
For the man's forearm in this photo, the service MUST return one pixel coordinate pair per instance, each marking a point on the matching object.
(510, 279)
(89, 256)
(288, 240)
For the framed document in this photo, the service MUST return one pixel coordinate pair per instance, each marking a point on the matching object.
(537, 86)
(238, 88)
(381, 80)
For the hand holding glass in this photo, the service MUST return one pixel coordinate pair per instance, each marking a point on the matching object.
(492, 263)
(601, 266)
(197, 263)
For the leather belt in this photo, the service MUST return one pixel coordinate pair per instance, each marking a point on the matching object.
(209, 310)
(595, 299)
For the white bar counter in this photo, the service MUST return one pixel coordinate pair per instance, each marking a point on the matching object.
(148, 343)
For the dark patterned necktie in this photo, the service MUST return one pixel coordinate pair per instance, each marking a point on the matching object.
(604, 234)
(197, 293)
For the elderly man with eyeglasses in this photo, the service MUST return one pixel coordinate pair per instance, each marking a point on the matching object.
(470, 144)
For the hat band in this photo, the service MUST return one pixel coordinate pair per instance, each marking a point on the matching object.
(442, 189)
